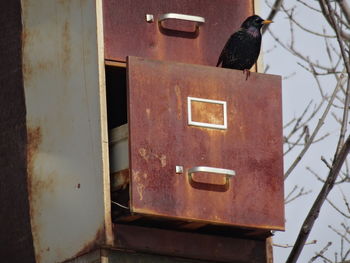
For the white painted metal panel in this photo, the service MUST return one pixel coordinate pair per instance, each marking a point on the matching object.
(119, 148)
(68, 167)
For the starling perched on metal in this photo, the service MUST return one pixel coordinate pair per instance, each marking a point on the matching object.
(243, 47)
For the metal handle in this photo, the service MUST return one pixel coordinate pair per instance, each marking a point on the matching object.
(229, 173)
(197, 19)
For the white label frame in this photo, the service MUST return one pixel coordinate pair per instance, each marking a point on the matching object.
(205, 124)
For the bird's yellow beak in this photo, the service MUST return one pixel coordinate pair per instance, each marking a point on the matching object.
(267, 22)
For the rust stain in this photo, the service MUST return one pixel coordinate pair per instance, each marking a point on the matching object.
(178, 102)
(30, 67)
(161, 158)
(34, 139)
(66, 47)
(36, 187)
(143, 153)
(207, 112)
(27, 70)
(139, 186)
(92, 244)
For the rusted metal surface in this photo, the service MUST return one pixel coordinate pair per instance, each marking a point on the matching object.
(207, 113)
(16, 243)
(190, 245)
(160, 139)
(68, 169)
(127, 32)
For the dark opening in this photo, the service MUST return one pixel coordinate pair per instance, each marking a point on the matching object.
(116, 96)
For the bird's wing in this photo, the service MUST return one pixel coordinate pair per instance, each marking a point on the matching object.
(220, 59)
(231, 44)
(222, 55)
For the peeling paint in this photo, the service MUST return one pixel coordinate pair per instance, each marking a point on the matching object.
(178, 102)
(161, 158)
(143, 153)
(140, 187)
(148, 113)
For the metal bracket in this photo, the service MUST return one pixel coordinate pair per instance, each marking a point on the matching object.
(179, 169)
(149, 18)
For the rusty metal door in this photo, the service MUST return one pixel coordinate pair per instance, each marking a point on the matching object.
(205, 144)
(171, 37)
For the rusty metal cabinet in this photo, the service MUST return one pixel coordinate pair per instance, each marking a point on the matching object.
(204, 145)
(196, 40)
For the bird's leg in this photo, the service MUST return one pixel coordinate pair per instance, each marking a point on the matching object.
(247, 72)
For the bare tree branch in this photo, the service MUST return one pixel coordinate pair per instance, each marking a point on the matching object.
(291, 18)
(337, 209)
(345, 8)
(347, 66)
(315, 210)
(312, 242)
(274, 10)
(313, 135)
(325, 11)
(340, 234)
(345, 118)
(309, 6)
(320, 254)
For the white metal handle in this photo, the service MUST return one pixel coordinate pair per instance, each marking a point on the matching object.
(197, 19)
(229, 173)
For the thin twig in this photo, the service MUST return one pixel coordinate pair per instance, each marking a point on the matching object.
(316, 207)
(312, 242)
(274, 10)
(337, 209)
(291, 18)
(313, 135)
(309, 6)
(340, 234)
(320, 254)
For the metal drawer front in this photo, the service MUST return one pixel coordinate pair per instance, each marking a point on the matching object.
(164, 146)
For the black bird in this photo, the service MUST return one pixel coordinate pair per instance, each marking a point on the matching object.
(243, 47)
